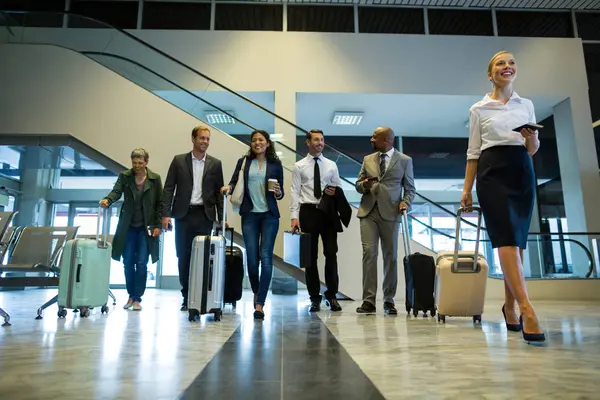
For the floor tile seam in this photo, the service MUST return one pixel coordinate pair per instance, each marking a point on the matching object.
(341, 346)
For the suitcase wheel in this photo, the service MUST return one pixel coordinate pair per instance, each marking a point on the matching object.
(84, 313)
(433, 312)
(218, 315)
(415, 312)
(477, 319)
(104, 309)
(233, 303)
(193, 314)
(62, 313)
(441, 318)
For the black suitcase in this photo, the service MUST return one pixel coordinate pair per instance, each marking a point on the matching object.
(234, 273)
(419, 274)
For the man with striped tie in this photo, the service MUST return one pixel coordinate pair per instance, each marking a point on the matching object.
(387, 186)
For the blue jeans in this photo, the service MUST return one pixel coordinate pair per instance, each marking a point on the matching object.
(260, 231)
(135, 260)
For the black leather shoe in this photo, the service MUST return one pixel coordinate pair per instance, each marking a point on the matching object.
(389, 308)
(259, 314)
(315, 306)
(510, 327)
(333, 304)
(366, 308)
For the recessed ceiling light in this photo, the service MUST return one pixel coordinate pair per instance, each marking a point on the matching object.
(347, 118)
(214, 117)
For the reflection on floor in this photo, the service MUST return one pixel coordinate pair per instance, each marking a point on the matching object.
(158, 354)
(152, 354)
(409, 358)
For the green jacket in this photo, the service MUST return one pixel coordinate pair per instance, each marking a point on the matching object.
(151, 207)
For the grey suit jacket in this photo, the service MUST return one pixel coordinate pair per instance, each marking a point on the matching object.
(396, 185)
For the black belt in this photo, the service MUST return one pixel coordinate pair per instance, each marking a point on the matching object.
(196, 206)
(308, 205)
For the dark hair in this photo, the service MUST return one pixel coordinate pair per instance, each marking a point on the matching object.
(198, 129)
(309, 134)
(270, 154)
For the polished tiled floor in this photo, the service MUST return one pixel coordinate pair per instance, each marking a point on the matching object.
(410, 358)
(152, 354)
(158, 354)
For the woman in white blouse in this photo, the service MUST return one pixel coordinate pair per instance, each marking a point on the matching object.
(501, 160)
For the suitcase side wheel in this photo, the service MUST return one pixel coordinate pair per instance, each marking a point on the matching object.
(477, 319)
(85, 313)
(442, 318)
(62, 313)
(218, 315)
(193, 314)
(104, 309)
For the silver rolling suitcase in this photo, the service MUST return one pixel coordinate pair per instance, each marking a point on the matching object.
(207, 274)
(461, 278)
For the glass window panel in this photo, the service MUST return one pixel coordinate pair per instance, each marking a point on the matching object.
(61, 215)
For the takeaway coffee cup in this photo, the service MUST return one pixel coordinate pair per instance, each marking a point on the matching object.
(271, 184)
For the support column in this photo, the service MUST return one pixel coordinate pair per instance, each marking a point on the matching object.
(579, 172)
(40, 169)
(285, 106)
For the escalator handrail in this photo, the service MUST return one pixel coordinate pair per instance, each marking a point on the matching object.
(562, 239)
(137, 64)
(153, 48)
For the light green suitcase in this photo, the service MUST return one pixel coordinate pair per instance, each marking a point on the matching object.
(85, 272)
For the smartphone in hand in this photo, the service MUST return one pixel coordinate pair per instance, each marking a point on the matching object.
(530, 125)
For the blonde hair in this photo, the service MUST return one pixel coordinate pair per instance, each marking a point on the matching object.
(199, 128)
(491, 63)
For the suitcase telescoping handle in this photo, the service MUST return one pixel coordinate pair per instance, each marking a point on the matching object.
(405, 234)
(475, 256)
(102, 228)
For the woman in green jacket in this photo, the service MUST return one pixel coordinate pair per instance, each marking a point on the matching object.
(139, 224)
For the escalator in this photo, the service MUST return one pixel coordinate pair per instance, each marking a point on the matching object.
(195, 93)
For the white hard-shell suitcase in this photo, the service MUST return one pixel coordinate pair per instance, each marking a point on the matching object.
(207, 274)
(461, 278)
(85, 272)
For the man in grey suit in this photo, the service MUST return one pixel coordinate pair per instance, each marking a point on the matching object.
(387, 186)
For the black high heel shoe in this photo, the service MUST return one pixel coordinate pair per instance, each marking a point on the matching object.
(532, 337)
(511, 327)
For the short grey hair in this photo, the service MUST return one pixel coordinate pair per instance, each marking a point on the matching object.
(140, 153)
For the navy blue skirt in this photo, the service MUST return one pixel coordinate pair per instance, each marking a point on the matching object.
(506, 192)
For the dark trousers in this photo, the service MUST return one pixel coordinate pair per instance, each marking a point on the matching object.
(315, 222)
(135, 261)
(195, 223)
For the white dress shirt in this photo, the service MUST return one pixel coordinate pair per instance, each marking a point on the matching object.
(198, 171)
(492, 123)
(303, 178)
